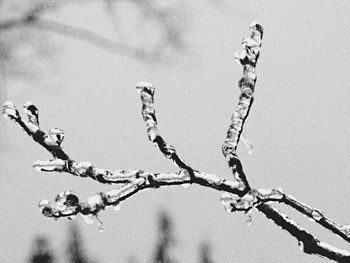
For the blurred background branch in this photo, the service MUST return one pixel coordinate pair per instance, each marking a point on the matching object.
(21, 20)
(147, 31)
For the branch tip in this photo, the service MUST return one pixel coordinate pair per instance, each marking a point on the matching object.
(57, 135)
(142, 85)
(9, 111)
(256, 26)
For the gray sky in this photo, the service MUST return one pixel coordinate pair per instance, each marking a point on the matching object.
(299, 125)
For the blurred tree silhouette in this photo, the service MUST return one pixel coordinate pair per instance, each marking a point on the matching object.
(205, 253)
(165, 240)
(76, 252)
(41, 252)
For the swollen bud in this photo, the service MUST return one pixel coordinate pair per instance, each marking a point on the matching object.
(72, 200)
(9, 110)
(57, 135)
(46, 208)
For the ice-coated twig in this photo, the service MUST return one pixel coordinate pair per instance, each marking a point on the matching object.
(238, 196)
(314, 214)
(32, 128)
(52, 143)
(255, 197)
(148, 113)
(342, 231)
(63, 163)
(67, 204)
(307, 243)
(149, 116)
(248, 57)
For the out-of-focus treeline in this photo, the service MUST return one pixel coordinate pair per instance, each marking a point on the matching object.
(75, 251)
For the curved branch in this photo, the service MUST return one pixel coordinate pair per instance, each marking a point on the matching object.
(67, 204)
(149, 116)
(64, 207)
(91, 37)
(33, 18)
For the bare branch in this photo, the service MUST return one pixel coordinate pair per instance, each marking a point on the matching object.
(306, 242)
(248, 57)
(148, 113)
(238, 196)
(256, 197)
(140, 181)
(52, 143)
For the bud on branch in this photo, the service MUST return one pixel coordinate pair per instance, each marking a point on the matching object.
(238, 194)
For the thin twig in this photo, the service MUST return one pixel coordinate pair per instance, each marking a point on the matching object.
(238, 196)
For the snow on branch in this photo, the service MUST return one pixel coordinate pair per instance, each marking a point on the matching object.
(238, 194)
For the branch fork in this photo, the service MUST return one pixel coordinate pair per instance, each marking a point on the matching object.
(238, 194)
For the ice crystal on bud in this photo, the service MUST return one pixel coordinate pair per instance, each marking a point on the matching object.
(9, 110)
(249, 218)
(57, 135)
(186, 186)
(316, 215)
(116, 207)
(226, 199)
(249, 42)
(99, 224)
(279, 189)
(45, 208)
(89, 219)
(44, 202)
(184, 174)
(95, 202)
(247, 144)
(32, 112)
(301, 246)
(37, 166)
(240, 55)
(253, 24)
(264, 192)
(72, 199)
(142, 84)
(49, 166)
(275, 194)
(346, 229)
(82, 167)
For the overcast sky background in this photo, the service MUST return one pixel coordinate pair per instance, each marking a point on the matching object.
(299, 125)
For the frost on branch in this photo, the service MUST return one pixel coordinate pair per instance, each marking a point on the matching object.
(237, 195)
